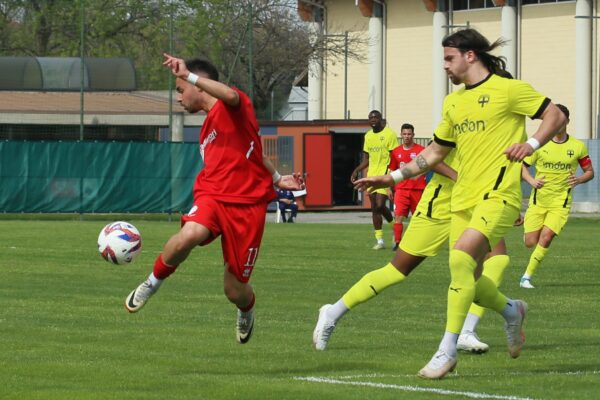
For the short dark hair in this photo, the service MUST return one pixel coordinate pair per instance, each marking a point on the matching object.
(200, 65)
(564, 109)
(471, 40)
(407, 126)
(376, 112)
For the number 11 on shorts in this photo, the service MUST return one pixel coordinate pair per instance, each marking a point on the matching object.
(252, 254)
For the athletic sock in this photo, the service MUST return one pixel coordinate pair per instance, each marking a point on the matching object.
(535, 260)
(448, 343)
(493, 268)
(509, 312)
(461, 291)
(162, 270)
(371, 284)
(337, 310)
(379, 235)
(471, 323)
(154, 280)
(398, 227)
(249, 306)
(487, 294)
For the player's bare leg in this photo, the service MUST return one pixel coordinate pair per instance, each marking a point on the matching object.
(242, 295)
(379, 211)
(176, 250)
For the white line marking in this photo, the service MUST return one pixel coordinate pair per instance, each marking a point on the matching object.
(472, 395)
(520, 373)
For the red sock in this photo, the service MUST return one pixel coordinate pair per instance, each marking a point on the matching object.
(162, 270)
(398, 227)
(249, 306)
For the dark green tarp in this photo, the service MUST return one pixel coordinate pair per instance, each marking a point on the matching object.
(97, 177)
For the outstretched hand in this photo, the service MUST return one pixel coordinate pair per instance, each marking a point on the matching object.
(176, 65)
(371, 183)
(294, 181)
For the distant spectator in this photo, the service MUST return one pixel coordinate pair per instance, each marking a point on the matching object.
(287, 201)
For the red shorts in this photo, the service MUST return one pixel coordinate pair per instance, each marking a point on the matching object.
(405, 201)
(240, 226)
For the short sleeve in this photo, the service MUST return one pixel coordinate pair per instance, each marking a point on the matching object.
(525, 100)
(444, 133)
(392, 141)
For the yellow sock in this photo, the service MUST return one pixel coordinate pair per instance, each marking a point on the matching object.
(487, 294)
(461, 291)
(378, 234)
(493, 268)
(372, 284)
(535, 260)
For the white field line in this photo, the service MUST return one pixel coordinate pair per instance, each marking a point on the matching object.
(495, 374)
(445, 392)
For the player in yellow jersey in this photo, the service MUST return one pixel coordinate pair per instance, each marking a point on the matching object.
(379, 141)
(552, 194)
(485, 122)
(427, 232)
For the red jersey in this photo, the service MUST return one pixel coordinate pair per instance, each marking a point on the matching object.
(400, 156)
(232, 153)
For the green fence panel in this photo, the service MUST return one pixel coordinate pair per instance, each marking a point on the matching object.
(97, 177)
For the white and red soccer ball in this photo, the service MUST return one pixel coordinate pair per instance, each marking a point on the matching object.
(119, 242)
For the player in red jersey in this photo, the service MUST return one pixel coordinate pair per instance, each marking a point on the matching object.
(231, 192)
(407, 194)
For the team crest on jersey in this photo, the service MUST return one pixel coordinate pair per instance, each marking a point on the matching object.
(483, 99)
(570, 153)
(413, 155)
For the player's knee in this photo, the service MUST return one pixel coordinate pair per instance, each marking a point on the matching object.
(462, 267)
(546, 239)
(530, 240)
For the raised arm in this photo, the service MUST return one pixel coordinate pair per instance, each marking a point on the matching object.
(287, 182)
(444, 169)
(214, 88)
(432, 155)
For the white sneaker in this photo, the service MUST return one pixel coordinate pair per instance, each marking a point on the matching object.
(515, 335)
(470, 342)
(439, 366)
(378, 246)
(323, 330)
(139, 296)
(244, 326)
(526, 283)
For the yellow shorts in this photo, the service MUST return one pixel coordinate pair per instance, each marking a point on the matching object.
(383, 191)
(492, 217)
(536, 217)
(425, 236)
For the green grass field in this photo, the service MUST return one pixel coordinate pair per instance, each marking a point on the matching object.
(65, 334)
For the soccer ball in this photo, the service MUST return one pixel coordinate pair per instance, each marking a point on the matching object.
(119, 242)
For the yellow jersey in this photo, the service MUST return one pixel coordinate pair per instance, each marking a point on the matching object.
(555, 162)
(378, 146)
(482, 121)
(435, 200)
